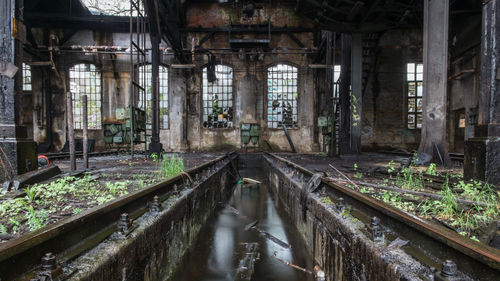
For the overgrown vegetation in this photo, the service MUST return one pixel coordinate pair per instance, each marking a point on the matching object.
(171, 166)
(68, 196)
(467, 219)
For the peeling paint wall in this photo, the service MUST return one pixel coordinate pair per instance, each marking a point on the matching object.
(250, 77)
(384, 99)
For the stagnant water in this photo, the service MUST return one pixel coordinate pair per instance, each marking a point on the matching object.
(220, 248)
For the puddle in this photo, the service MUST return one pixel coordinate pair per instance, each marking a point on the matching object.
(221, 245)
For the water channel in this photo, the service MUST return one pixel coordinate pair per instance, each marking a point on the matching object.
(222, 242)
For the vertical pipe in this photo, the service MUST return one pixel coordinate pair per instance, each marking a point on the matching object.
(48, 107)
(155, 103)
(356, 95)
(333, 143)
(132, 96)
(345, 96)
(71, 139)
(85, 122)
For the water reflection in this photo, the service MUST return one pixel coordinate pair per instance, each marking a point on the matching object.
(220, 248)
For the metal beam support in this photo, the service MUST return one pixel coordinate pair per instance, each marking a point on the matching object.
(332, 151)
(436, 20)
(155, 146)
(345, 96)
(356, 94)
(94, 22)
(296, 40)
(482, 152)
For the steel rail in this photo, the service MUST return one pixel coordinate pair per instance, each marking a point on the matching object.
(63, 155)
(72, 236)
(475, 250)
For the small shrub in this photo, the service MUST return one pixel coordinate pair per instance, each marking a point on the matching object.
(431, 170)
(391, 166)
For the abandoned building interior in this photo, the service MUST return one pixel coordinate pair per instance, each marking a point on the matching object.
(273, 110)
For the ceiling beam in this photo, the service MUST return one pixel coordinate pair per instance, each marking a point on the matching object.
(99, 22)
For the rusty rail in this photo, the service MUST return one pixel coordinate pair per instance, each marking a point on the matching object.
(477, 251)
(70, 237)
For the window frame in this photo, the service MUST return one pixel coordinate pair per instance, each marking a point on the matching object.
(266, 110)
(138, 72)
(233, 98)
(416, 97)
(98, 69)
(27, 68)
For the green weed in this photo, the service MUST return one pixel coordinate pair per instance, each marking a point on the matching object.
(391, 166)
(35, 219)
(31, 194)
(117, 188)
(3, 229)
(15, 224)
(326, 200)
(76, 211)
(431, 170)
(407, 179)
(171, 166)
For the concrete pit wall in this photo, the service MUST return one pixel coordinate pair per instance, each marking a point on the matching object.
(156, 248)
(339, 243)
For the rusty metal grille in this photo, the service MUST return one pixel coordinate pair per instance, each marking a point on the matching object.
(145, 100)
(282, 96)
(85, 79)
(218, 98)
(27, 87)
(415, 77)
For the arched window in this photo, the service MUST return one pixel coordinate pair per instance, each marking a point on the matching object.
(282, 96)
(218, 98)
(145, 72)
(85, 79)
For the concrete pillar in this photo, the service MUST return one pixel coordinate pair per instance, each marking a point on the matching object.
(436, 15)
(482, 152)
(356, 92)
(17, 152)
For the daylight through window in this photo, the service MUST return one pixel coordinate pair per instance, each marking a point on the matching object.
(415, 77)
(26, 77)
(85, 79)
(282, 96)
(145, 81)
(218, 98)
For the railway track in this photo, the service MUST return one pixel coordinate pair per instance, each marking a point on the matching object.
(65, 155)
(430, 243)
(67, 239)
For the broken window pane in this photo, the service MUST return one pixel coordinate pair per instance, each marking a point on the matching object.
(411, 105)
(27, 77)
(411, 121)
(145, 98)
(282, 96)
(85, 79)
(218, 98)
(414, 94)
